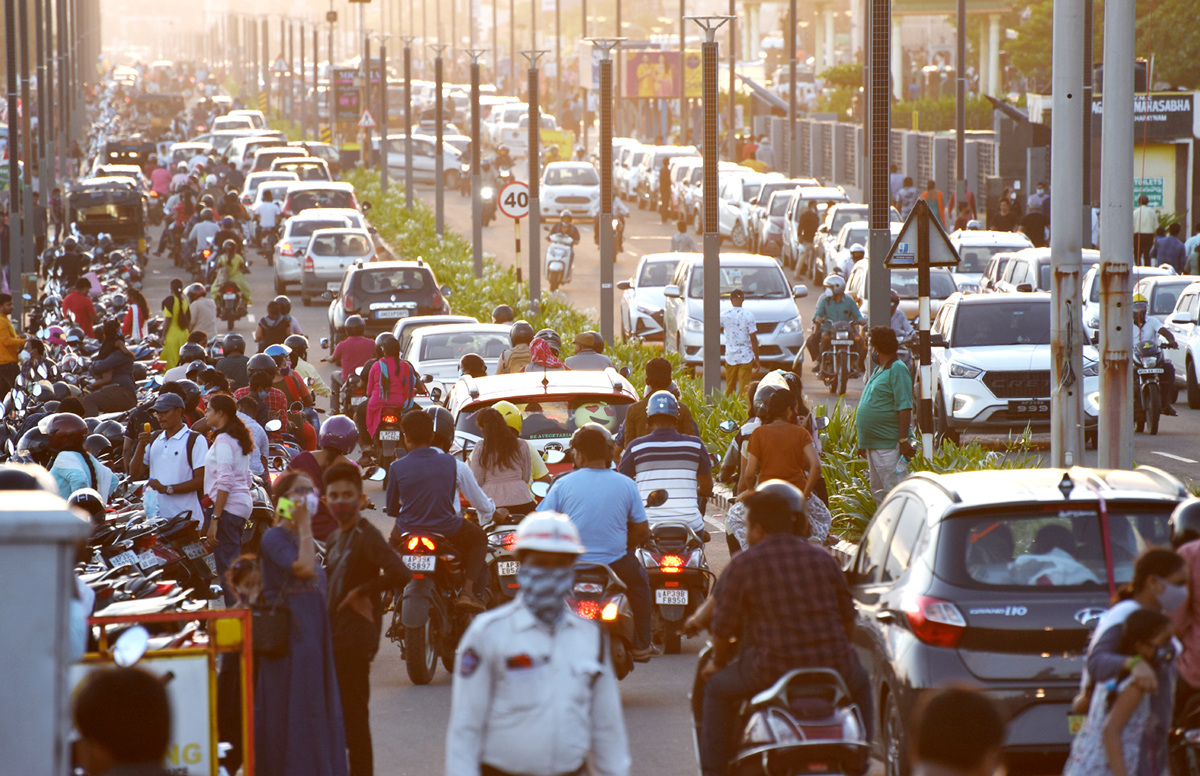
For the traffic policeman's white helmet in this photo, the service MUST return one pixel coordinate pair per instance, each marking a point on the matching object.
(549, 532)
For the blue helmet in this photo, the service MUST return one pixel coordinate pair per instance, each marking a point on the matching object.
(662, 403)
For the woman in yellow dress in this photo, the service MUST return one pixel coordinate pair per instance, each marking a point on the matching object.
(179, 319)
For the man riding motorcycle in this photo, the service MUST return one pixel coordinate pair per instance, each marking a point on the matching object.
(502, 159)
(1149, 329)
(204, 229)
(835, 307)
(567, 227)
(234, 267)
(619, 212)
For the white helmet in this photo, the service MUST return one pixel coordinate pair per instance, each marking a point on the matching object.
(835, 283)
(549, 532)
(857, 248)
(973, 225)
(211, 180)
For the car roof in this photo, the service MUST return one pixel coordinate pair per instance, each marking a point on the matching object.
(1090, 255)
(976, 299)
(394, 264)
(572, 165)
(451, 328)
(272, 175)
(1006, 486)
(319, 214)
(119, 168)
(821, 192)
(671, 256)
(537, 384)
(987, 237)
(729, 259)
(342, 230)
(319, 185)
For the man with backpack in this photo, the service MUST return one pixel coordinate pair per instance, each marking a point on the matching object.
(273, 328)
(169, 459)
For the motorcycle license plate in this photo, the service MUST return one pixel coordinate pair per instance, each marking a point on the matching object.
(391, 313)
(127, 558)
(420, 562)
(194, 550)
(1031, 409)
(508, 568)
(1150, 371)
(148, 560)
(334, 286)
(671, 597)
(386, 435)
(357, 400)
(230, 297)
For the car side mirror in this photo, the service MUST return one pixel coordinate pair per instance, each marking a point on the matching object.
(937, 341)
(625, 285)
(800, 291)
(625, 372)
(366, 206)
(1182, 319)
(1025, 288)
(446, 290)
(672, 292)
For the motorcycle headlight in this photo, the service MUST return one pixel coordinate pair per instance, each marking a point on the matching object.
(487, 192)
(792, 326)
(1150, 362)
(964, 371)
(693, 324)
(1091, 368)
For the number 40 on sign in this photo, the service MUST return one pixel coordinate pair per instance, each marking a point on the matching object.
(514, 200)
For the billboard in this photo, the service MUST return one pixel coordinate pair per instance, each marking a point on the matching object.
(654, 74)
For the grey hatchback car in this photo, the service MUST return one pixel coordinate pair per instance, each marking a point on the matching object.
(995, 579)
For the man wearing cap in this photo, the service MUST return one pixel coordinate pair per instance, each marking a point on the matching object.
(173, 459)
(589, 353)
(532, 666)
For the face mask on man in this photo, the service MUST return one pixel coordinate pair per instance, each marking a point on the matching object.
(544, 590)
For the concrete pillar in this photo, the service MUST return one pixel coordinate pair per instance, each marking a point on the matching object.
(898, 81)
(993, 54)
(818, 43)
(830, 50)
(984, 59)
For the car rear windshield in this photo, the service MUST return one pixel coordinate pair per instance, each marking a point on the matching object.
(447, 347)
(303, 200)
(1162, 301)
(757, 282)
(975, 258)
(349, 245)
(845, 215)
(1052, 547)
(750, 190)
(387, 281)
(307, 171)
(779, 203)
(657, 273)
(572, 176)
(305, 228)
(557, 419)
(1002, 323)
(1136, 276)
(904, 281)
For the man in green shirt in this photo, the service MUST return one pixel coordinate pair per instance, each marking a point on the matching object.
(885, 414)
(831, 307)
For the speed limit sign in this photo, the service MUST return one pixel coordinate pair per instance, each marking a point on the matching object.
(514, 200)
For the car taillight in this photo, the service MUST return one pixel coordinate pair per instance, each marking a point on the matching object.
(935, 622)
(437, 300)
(308, 265)
(588, 610)
(389, 419)
(285, 249)
(423, 541)
(348, 303)
(609, 612)
(671, 564)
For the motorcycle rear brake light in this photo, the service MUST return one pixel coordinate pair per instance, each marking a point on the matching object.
(588, 610)
(509, 540)
(389, 419)
(671, 564)
(935, 622)
(610, 611)
(588, 587)
(423, 541)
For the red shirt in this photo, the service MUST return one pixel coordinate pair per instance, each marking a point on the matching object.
(352, 353)
(81, 310)
(276, 408)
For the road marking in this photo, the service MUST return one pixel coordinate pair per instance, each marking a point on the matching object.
(713, 524)
(1174, 457)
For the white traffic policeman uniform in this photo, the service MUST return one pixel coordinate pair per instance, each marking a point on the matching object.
(531, 700)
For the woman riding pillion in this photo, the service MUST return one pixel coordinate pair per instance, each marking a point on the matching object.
(231, 268)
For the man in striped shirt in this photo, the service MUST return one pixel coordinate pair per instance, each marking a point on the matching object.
(667, 460)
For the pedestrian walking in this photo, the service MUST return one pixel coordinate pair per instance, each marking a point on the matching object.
(531, 666)
(299, 728)
(10, 347)
(933, 197)
(973, 749)
(806, 227)
(361, 567)
(741, 343)
(895, 183)
(339, 437)
(681, 241)
(1145, 223)
(906, 197)
(1170, 251)
(227, 482)
(123, 717)
(765, 153)
(884, 415)
(136, 325)
(247, 410)
(664, 189)
(1006, 220)
(173, 459)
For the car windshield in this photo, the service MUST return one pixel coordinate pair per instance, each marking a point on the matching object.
(557, 419)
(303, 200)
(1004, 322)
(975, 258)
(1162, 301)
(757, 282)
(305, 228)
(447, 347)
(278, 191)
(1044, 275)
(697, 175)
(1052, 548)
(656, 274)
(572, 176)
(349, 245)
(750, 190)
(1136, 275)
(779, 203)
(941, 284)
(637, 158)
(856, 235)
(390, 280)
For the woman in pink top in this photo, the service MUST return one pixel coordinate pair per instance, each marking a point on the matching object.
(392, 382)
(227, 481)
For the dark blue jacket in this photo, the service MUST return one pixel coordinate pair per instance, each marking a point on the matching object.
(420, 492)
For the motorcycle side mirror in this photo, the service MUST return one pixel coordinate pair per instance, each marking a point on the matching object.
(296, 408)
(358, 371)
(375, 474)
(625, 372)
(1024, 288)
(540, 489)
(274, 425)
(43, 371)
(435, 394)
(728, 426)
(656, 498)
(327, 296)
(554, 456)
(821, 422)
(325, 342)
(427, 379)
(131, 646)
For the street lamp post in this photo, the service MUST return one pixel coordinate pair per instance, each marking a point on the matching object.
(712, 237)
(408, 144)
(476, 173)
(14, 167)
(789, 135)
(439, 162)
(383, 114)
(607, 257)
(535, 213)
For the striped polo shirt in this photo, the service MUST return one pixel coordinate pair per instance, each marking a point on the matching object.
(666, 460)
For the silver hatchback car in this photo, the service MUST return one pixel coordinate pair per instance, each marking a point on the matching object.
(329, 253)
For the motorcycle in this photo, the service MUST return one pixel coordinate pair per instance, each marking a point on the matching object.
(560, 260)
(673, 556)
(487, 193)
(805, 723)
(388, 435)
(502, 560)
(599, 594)
(426, 622)
(233, 306)
(267, 240)
(839, 362)
(154, 210)
(464, 179)
(1147, 395)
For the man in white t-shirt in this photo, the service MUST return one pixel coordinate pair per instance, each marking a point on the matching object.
(741, 343)
(267, 212)
(173, 460)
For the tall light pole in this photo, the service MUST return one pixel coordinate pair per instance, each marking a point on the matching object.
(14, 146)
(384, 145)
(733, 154)
(712, 237)
(960, 108)
(439, 161)
(408, 144)
(789, 135)
(476, 174)
(535, 212)
(64, 100)
(879, 284)
(683, 111)
(607, 257)
(20, 261)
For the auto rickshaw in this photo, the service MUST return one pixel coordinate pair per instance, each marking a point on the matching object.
(115, 206)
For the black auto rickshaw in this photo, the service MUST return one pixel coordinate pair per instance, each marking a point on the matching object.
(114, 206)
(134, 150)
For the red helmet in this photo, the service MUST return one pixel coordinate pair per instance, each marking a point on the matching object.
(64, 430)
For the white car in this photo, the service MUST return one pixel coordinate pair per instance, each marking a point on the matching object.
(838, 257)
(1184, 323)
(256, 179)
(826, 242)
(504, 117)
(642, 299)
(570, 186)
(293, 242)
(733, 204)
(517, 137)
(645, 187)
(256, 116)
(424, 159)
(241, 151)
(976, 248)
(991, 365)
(825, 197)
(183, 152)
(327, 256)
(1029, 270)
(434, 351)
(625, 169)
(1161, 310)
(232, 122)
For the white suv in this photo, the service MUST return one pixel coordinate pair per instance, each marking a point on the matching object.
(991, 365)
(976, 248)
(1184, 323)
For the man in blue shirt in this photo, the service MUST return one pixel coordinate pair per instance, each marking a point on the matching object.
(607, 508)
(837, 306)
(1170, 251)
(420, 495)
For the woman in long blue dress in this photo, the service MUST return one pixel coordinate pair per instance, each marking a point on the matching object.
(298, 712)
